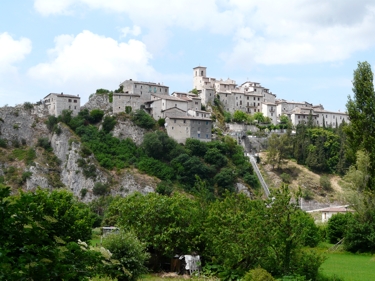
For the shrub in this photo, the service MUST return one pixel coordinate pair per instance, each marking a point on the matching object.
(336, 227)
(165, 188)
(161, 122)
(128, 109)
(143, 120)
(25, 176)
(325, 183)
(285, 178)
(109, 123)
(258, 274)
(96, 115)
(100, 189)
(28, 105)
(3, 143)
(45, 143)
(128, 256)
(83, 192)
(51, 123)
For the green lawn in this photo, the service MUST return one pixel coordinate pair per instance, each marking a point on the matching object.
(350, 267)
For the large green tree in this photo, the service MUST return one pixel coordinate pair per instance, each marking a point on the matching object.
(361, 111)
(40, 234)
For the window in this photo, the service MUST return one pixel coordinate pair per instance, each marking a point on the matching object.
(69, 107)
(236, 98)
(141, 92)
(298, 116)
(199, 135)
(202, 73)
(271, 114)
(172, 128)
(159, 89)
(175, 105)
(69, 100)
(255, 90)
(206, 122)
(258, 103)
(196, 102)
(206, 136)
(258, 98)
(141, 86)
(75, 101)
(254, 98)
(154, 89)
(75, 107)
(247, 103)
(174, 121)
(135, 86)
(185, 122)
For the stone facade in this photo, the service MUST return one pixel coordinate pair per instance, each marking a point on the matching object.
(184, 127)
(56, 103)
(136, 93)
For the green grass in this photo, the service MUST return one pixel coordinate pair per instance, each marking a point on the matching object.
(350, 267)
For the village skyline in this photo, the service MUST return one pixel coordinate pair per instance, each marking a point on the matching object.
(301, 51)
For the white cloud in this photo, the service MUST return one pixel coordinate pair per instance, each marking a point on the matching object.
(12, 51)
(263, 32)
(48, 7)
(309, 31)
(88, 61)
(135, 31)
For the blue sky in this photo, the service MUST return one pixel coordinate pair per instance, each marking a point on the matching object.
(302, 50)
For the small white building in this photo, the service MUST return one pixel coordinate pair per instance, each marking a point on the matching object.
(327, 213)
(56, 103)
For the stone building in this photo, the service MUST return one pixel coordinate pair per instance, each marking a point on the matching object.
(56, 103)
(136, 93)
(160, 103)
(181, 128)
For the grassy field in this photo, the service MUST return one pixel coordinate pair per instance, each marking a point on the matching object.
(350, 267)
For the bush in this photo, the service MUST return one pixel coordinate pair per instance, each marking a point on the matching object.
(83, 192)
(100, 189)
(96, 115)
(109, 123)
(128, 256)
(25, 176)
(285, 178)
(325, 183)
(143, 120)
(336, 227)
(3, 143)
(128, 109)
(258, 274)
(161, 122)
(165, 188)
(44, 143)
(28, 105)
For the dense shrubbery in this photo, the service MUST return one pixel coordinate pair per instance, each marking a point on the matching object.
(232, 235)
(218, 163)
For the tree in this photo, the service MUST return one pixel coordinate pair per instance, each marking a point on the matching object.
(167, 225)
(235, 233)
(239, 116)
(279, 149)
(109, 123)
(259, 116)
(287, 234)
(337, 226)
(128, 256)
(361, 111)
(143, 120)
(214, 157)
(40, 234)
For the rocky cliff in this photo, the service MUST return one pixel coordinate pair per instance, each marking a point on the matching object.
(21, 127)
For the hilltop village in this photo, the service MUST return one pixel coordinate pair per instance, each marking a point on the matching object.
(183, 112)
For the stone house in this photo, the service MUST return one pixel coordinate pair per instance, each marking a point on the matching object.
(269, 110)
(181, 128)
(327, 213)
(160, 103)
(56, 103)
(122, 100)
(136, 93)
